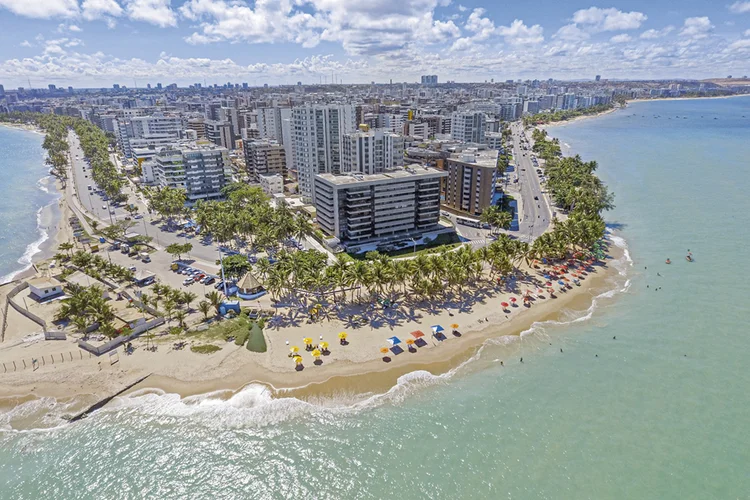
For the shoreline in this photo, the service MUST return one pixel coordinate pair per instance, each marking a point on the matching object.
(80, 387)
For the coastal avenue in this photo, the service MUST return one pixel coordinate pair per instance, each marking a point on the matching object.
(147, 226)
(535, 215)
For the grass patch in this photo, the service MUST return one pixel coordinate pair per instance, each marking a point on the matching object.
(205, 348)
(443, 241)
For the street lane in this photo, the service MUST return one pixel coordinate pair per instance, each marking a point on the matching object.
(535, 213)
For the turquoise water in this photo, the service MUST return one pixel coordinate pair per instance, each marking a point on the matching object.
(25, 189)
(660, 412)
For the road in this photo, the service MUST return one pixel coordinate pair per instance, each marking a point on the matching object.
(535, 215)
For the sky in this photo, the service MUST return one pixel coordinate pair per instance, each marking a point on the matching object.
(95, 43)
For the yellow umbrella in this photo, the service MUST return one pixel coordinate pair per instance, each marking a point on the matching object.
(298, 360)
(384, 350)
(409, 341)
(454, 325)
(294, 349)
(342, 335)
(315, 353)
(307, 340)
(324, 345)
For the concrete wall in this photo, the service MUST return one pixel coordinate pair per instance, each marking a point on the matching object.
(117, 341)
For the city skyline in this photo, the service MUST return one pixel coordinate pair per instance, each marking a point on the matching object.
(95, 43)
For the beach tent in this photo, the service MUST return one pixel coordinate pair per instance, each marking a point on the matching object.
(394, 341)
(437, 329)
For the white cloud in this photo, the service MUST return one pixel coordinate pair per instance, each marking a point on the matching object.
(462, 8)
(361, 27)
(696, 27)
(571, 32)
(740, 7)
(610, 19)
(739, 46)
(98, 9)
(653, 34)
(622, 38)
(746, 33)
(157, 12)
(481, 26)
(62, 28)
(26, 43)
(520, 34)
(44, 9)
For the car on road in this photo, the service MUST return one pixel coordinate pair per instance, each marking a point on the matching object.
(188, 281)
(104, 207)
(138, 216)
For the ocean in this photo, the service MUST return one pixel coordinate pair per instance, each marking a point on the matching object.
(643, 396)
(27, 200)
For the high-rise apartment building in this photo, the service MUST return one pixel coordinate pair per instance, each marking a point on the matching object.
(144, 131)
(200, 168)
(360, 208)
(429, 79)
(468, 126)
(264, 157)
(220, 133)
(371, 151)
(470, 186)
(317, 132)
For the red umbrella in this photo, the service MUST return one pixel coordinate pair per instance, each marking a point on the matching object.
(526, 299)
(504, 304)
(513, 299)
(540, 291)
(549, 283)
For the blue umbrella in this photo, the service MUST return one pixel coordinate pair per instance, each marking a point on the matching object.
(437, 329)
(561, 282)
(546, 276)
(394, 340)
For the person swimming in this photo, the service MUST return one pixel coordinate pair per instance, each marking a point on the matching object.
(668, 261)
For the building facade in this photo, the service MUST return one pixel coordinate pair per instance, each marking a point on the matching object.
(144, 131)
(201, 169)
(468, 126)
(317, 132)
(264, 157)
(220, 133)
(361, 208)
(371, 151)
(472, 176)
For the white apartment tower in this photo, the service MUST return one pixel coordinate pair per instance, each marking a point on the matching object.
(317, 133)
(143, 131)
(371, 151)
(468, 126)
(201, 169)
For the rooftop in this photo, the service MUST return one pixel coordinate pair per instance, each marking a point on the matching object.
(472, 156)
(408, 172)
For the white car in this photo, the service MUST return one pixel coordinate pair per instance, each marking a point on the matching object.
(188, 281)
(104, 207)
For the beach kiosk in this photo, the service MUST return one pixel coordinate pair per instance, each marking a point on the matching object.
(249, 288)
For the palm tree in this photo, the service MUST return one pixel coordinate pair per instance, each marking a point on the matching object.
(180, 317)
(214, 298)
(169, 307)
(80, 323)
(188, 297)
(205, 308)
(66, 247)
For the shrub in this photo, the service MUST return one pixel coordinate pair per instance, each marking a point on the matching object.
(205, 348)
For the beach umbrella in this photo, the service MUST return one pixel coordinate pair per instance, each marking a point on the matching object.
(342, 335)
(513, 300)
(549, 283)
(409, 341)
(324, 345)
(454, 325)
(294, 349)
(565, 279)
(298, 360)
(307, 341)
(560, 282)
(384, 350)
(417, 334)
(504, 304)
(315, 353)
(437, 329)
(540, 290)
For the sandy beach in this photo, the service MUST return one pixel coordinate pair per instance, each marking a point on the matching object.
(69, 375)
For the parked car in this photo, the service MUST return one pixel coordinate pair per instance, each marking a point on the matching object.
(219, 284)
(131, 268)
(188, 281)
(138, 216)
(208, 280)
